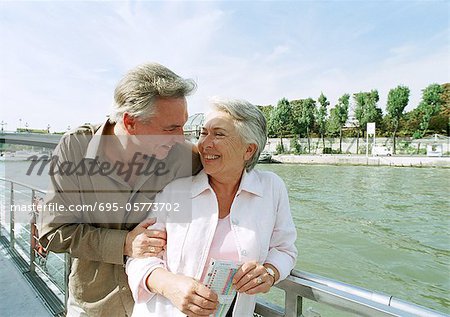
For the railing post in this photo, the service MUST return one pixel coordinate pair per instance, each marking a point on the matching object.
(32, 232)
(299, 306)
(11, 219)
(293, 305)
(67, 267)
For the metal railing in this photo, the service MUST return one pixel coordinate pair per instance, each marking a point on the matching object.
(46, 272)
(344, 297)
(34, 263)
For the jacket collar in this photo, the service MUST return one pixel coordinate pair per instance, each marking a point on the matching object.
(250, 182)
(93, 149)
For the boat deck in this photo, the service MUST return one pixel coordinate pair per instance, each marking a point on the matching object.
(17, 298)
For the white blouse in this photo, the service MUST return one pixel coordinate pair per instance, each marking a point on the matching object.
(261, 223)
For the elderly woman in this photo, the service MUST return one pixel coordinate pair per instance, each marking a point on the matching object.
(238, 214)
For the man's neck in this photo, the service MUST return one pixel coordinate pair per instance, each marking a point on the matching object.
(118, 148)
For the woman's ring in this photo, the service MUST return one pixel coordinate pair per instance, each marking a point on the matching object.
(152, 249)
(259, 280)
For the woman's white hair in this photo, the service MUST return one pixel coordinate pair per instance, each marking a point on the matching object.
(249, 121)
(140, 87)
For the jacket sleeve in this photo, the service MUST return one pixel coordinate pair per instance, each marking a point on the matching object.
(138, 270)
(282, 251)
(64, 231)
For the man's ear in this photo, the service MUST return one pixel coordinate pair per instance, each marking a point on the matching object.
(251, 149)
(129, 123)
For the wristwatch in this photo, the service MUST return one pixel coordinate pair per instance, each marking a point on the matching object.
(271, 272)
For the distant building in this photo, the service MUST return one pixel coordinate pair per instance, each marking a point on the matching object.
(194, 125)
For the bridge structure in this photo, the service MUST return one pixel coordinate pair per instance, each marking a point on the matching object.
(33, 139)
(50, 140)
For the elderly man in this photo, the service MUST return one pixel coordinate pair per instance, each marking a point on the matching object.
(103, 181)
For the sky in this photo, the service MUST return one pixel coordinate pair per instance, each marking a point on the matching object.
(60, 60)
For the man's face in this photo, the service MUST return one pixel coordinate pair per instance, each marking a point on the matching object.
(157, 135)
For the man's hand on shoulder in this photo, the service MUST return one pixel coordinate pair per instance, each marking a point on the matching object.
(142, 242)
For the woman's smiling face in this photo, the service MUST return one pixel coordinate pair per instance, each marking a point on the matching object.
(222, 150)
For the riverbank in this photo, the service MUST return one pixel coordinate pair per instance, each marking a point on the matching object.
(343, 159)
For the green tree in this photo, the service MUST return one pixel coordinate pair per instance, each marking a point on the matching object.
(410, 122)
(267, 112)
(333, 123)
(398, 99)
(366, 110)
(296, 113)
(281, 119)
(339, 116)
(321, 116)
(303, 111)
(440, 122)
(429, 106)
(445, 96)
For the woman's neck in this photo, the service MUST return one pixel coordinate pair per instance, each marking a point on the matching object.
(227, 185)
(225, 189)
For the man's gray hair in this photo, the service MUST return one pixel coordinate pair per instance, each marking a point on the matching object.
(250, 124)
(138, 90)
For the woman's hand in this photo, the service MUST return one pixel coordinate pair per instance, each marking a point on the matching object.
(187, 294)
(252, 278)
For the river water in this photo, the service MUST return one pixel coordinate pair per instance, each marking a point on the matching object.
(382, 228)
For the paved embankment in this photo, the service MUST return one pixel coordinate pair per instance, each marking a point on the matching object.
(333, 159)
